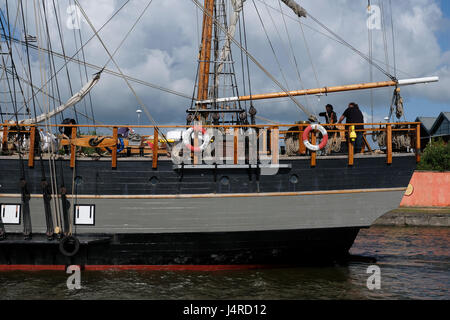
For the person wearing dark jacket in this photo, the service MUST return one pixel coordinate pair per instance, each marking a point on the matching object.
(354, 115)
(330, 115)
(67, 131)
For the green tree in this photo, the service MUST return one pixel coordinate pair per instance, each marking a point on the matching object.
(436, 156)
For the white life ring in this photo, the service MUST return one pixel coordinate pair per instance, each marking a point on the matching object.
(305, 137)
(187, 138)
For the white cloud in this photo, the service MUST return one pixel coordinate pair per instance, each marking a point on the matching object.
(163, 49)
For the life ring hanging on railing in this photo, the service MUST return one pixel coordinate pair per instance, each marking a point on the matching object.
(187, 138)
(305, 137)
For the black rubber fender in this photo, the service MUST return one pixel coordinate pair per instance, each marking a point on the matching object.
(69, 246)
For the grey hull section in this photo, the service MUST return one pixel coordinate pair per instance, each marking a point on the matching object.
(227, 214)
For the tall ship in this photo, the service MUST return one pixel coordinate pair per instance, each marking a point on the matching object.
(226, 189)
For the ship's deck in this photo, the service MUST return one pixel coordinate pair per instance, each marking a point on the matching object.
(391, 137)
(46, 156)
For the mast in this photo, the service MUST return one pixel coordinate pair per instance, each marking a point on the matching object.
(216, 33)
(205, 52)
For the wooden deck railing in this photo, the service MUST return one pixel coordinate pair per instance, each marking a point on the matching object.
(274, 145)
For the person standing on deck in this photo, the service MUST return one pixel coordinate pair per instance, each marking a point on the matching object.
(330, 117)
(67, 132)
(354, 115)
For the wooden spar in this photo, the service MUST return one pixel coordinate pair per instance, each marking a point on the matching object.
(325, 90)
(205, 53)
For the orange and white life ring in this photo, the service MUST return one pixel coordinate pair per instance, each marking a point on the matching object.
(187, 138)
(305, 137)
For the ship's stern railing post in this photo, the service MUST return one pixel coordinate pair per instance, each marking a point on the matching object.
(313, 153)
(114, 149)
(351, 147)
(274, 144)
(418, 143)
(263, 151)
(155, 148)
(5, 138)
(389, 144)
(301, 145)
(235, 145)
(31, 149)
(73, 147)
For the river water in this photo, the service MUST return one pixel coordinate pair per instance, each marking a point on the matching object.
(414, 264)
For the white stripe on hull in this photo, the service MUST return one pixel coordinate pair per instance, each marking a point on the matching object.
(325, 209)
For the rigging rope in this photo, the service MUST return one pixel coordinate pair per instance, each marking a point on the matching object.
(226, 49)
(61, 40)
(65, 63)
(297, 69)
(370, 36)
(51, 60)
(86, 75)
(25, 194)
(40, 90)
(271, 46)
(383, 26)
(252, 109)
(258, 64)
(329, 37)
(51, 150)
(78, 57)
(304, 13)
(393, 78)
(9, 45)
(114, 73)
(393, 38)
(316, 77)
(117, 66)
(29, 64)
(13, 72)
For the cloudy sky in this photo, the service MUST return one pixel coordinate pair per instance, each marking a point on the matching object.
(163, 49)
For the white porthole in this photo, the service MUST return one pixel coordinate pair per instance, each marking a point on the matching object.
(10, 213)
(85, 214)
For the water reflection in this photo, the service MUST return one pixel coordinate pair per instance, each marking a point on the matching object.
(414, 264)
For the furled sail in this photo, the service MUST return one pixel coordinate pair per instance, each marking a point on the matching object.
(298, 10)
(226, 49)
(237, 8)
(77, 97)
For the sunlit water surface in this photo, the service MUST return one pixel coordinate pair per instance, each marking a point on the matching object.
(414, 264)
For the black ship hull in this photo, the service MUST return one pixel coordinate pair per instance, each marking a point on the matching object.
(207, 250)
(209, 216)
